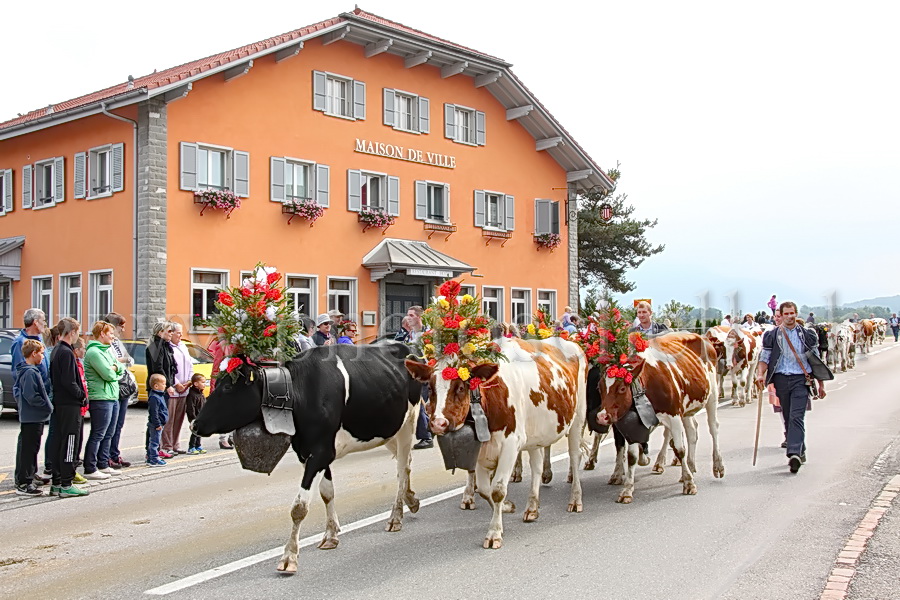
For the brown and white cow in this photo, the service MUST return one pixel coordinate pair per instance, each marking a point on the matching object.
(865, 335)
(740, 349)
(677, 372)
(532, 400)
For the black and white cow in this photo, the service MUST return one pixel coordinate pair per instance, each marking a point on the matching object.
(346, 399)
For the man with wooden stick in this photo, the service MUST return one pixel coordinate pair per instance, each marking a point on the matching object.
(785, 349)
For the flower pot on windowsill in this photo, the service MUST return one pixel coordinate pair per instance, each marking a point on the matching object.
(304, 208)
(375, 219)
(551, 241)
(225, 200)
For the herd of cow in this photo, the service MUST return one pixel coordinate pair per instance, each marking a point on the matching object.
(352, 398)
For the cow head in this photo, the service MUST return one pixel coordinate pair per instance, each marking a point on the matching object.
(449, 399)
(232, 404)
(615, 394)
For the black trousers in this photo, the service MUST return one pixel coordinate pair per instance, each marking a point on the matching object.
(27, 450)
(66, 422)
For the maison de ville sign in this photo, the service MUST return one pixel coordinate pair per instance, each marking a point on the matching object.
(407, 154)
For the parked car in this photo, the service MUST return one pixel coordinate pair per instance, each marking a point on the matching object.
(202, 359)
(7, 336)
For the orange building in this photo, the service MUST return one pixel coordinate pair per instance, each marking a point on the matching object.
(103, 195)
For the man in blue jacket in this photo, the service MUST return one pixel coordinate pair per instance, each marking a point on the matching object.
(35, 322)
(789, 376)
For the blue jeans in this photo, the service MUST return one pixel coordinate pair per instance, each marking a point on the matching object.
(153, 435)
(114, 454)
(422, 431)
(793, 396)
(104, 416)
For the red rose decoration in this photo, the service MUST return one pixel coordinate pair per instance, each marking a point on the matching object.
(246, 293)
(226, 299)
(431, 362)
(628, 378)
(270, 330)
(452, 348)
(474, 383)
(610, 336)
(450, 323)
(450, 373)
(273, 294)
(638, 341)
(273, 277)
(450, 289)
(623, 358)
(233, 363)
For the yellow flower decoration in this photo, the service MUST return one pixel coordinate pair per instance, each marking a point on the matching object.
(463, 373)
(469, 348)
(468, 299)
(463, 323)
(530, 328)
(429, 349)
(444, 304)
(544, 333)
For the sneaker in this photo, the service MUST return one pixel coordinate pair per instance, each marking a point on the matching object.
(784, 444)
(164, 454)
(156, 463)
(178, 452)
(98, 475)
(794, 463)
(803, 458)
(200, 450)
(193, 451)
(78, 480)
(424, 444)
(54, 490)
(122, 463)
(28, 490)
(110, 471)
(40, 480)
(72, 492)
(114, 464)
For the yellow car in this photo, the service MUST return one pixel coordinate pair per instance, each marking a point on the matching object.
(202, 359)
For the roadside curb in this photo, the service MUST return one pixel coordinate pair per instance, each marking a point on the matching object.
(844, 568)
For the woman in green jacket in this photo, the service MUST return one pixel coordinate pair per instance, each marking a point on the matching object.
(102, 372)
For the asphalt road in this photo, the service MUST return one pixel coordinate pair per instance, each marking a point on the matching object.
(759, 533)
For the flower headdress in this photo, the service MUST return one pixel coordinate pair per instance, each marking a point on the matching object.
(254, 321)
(607, 343)
(542, 327)
(457, 335)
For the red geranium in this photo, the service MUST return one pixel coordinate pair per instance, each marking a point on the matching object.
(273, 294)
(226, 299)
(450, 373)
(451, 348)
(233, 363)
(273, 277)
(246, 293)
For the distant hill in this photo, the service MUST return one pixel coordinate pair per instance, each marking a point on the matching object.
(892, 302)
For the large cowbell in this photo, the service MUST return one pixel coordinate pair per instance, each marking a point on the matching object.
(261, 444)
(637, 423)
(460, 448)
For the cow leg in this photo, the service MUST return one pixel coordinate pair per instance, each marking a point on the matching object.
(516, 475)
(574, 440)
(690, 429)
(591, 461)
(315, 466)
(677, 431)
(712, 421)
(494, 489)
(535, 458)
(618, 475)
(627, 494)
(332, 526)
(401, 447)
(660, 465)
(468, 497)
(547, 471)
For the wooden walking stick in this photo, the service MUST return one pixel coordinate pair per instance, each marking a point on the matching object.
(758, 421)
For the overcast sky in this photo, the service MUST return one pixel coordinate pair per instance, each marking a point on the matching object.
(764, 136)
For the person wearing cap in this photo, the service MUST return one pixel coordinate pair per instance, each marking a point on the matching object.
(322, 336)
(336, 317)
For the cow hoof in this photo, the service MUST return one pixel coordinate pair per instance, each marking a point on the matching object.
(530, 516)
(616, 480)
(508, 507)
(328, 543)
(643, 460)
(575, 507)
(467, 504)
(392, 526)
(286, 566)
(569, 478)
(546, 477)
(718, 472)
(413, 505)
(589, 465)
(658, 469)
(690, 488)
(515, 478)
(625, 499)
(676, 462)
(492, 543)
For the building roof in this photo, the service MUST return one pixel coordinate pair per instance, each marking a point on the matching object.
(11, 256)
(378, 35)
(393, 254)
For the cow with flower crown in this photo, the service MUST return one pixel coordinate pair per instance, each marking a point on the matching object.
(532, 393)
(676, 372)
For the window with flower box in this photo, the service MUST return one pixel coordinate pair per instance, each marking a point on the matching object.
(205, 284)
(42, 295)
(405, 111)
(546, 301)
(495, 210)
(373, 191)
(546, 216)
(492, 302)
(100, 294)
(520, 305)
(209, 167)
(6, 191)
(297, 180)
(342, 296)
(70, 296)
(464, 125)
(339, 95)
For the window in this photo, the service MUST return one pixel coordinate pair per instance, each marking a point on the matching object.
(100, 171)
(207, 167)
(405, 111)
(466, 289)
(464, 125)
(48, 183)
(5, 305)
(375, 191)
(204, 293)
(339, 96)
(70, 296)
(42, 295)
(296, 179)
(494, 210)
(433, 201)
(546, 217)
(546, 301)
(100, 295)
(6, 191)
(301, 295)
(492, 302)
(342, 296)
(520, 304)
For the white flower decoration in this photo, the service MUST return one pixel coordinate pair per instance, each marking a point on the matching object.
(270, 313)
(223, 366)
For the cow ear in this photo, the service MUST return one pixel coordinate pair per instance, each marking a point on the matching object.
(418, 371)
(485, 371)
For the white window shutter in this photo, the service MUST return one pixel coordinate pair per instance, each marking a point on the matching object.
(390, 109)
(80, 174)
(354, 190)
(479, 208)
(118, 167)
(27, 186)
(319, 90)
(479, 128)
(8, 191)
(450, 121)
(510, 213)
(447, 202)
(323, 184)
(421, 200)
(554, 217)
(393, 206)
(241, 165)
(276, 179)
(424, 116)
(359, 100)
(188, 166)
(59, 177)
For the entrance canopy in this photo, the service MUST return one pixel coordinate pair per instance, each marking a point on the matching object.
(413, 258)
(11, 257)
